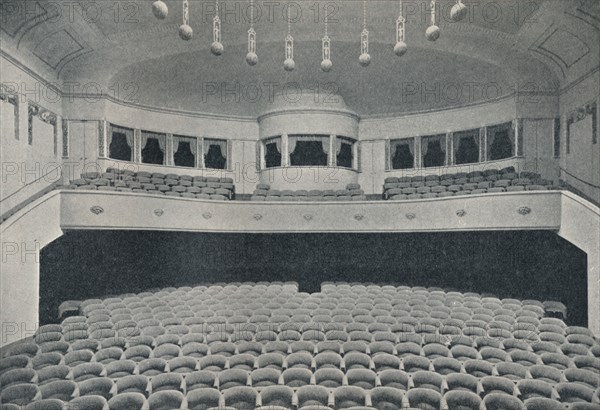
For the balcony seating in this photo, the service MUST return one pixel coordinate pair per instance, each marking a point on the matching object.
(185, 186)
(352, 192)
(194, 351)
(505, 180)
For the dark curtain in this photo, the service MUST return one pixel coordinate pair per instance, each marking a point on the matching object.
(152, 154)
(184, 157)
(118, 148)
(214, 158)
(308, 153)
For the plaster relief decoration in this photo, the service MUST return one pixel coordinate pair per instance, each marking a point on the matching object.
(580, 114)
(96, 210)
(257, 217)
(159, 212)
(32, 111)
(43, 115)
(65, 138)
(11, 98)
(101, 139)
(524, 210)
(207, 215)
(410, 216)
(460, 213)
(308, 217)
(359, 217)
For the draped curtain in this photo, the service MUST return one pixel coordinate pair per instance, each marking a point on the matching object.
(492, 131)
(126, 131)
(220, 143)
(433, 138)
(293, 139)
(276, 141)
(161, 138)
(178, 139)
(341, 140)
(460, 136)
(396, 143)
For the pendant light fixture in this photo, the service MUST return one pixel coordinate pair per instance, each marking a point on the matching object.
(400, 47)
(216, 47)
(251, 57)
(364, 59)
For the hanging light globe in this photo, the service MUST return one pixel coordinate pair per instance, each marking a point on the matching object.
(185, 32)
(364, 59)
(326, 65)
(289, 64)
(160, 9)
(432, 33)
(400, 48)
(458, 12)
(251, 59)
(216, 48)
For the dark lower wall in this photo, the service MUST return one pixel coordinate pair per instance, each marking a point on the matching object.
(523, 264)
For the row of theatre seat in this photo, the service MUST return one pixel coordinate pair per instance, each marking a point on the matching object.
(249, 345)
(186, 186)
(263, 192)
(476, 182)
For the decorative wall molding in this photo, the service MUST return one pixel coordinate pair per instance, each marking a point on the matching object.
(524, 210)
(579, 114)
(65, 138)
(11, 98)
(96, 210)
(102, 148)
(575, 83)
(7, 96)
(44, 115)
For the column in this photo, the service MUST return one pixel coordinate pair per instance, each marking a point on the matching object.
(449, 148)
(261, 163)
(332, 160)
(285, 155)
(481, 145)
(485, 147)
(169, 154)
(137, 142)
(102, 139)
(200, 153)
(418, 156)
(357, 160)
(518, 124)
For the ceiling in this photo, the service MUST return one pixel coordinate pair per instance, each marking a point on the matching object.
(133, 57)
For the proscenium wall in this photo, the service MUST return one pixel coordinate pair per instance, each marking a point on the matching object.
(522, 264)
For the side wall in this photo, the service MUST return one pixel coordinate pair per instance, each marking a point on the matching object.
(29, 164)
(579, 154)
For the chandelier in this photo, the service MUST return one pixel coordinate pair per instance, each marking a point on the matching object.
(457, 13)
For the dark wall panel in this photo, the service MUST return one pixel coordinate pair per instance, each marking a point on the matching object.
(525, 264)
